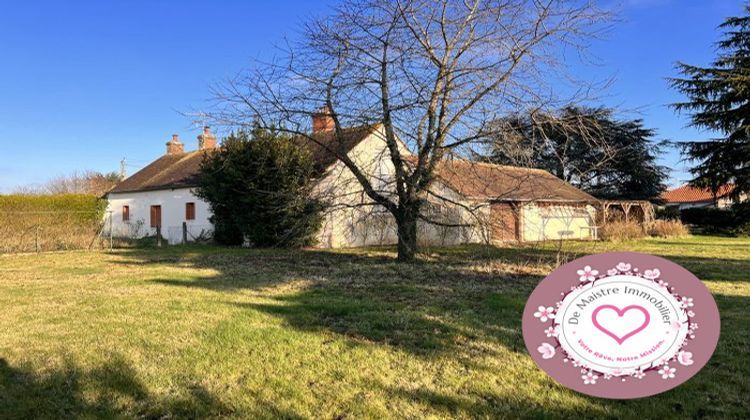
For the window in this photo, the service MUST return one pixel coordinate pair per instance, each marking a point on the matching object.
(155, 216)
(125, 213)
(189, 211)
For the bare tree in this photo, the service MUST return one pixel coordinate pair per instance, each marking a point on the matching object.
(434, 73)
(86, 182)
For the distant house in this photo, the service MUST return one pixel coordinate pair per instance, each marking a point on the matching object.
(468, 202)
(686, 196)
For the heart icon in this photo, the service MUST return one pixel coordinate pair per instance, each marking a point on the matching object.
(621, 313)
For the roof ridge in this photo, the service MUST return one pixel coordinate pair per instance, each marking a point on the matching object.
(498, 166)
(172, 167)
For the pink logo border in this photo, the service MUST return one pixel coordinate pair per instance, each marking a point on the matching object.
(680, 281)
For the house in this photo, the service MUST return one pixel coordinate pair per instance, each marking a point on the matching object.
(686, 196)
(469, 202)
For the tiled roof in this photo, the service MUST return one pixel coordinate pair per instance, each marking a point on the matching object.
(689, 194)
(182, 170)
(168, 172)
(350, 137)
(471, 179)
(485, 181)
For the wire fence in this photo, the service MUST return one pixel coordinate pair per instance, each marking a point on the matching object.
(45, 231)
(39, 231)
(171, 234)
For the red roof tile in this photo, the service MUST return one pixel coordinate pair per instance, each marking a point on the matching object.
(182, 170)
(485, 181)
(472, 179)
(688, 194)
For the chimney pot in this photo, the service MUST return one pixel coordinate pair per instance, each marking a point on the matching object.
(174, 146)
(207, 140)
(323, 120)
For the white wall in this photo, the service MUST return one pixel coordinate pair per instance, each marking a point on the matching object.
(559, 221)
(697, 204)
(723, 203)
(172, 204)
(353, 220)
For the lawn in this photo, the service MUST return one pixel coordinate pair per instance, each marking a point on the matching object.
(205, 331)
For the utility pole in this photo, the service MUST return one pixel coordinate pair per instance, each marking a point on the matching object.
(122, 169)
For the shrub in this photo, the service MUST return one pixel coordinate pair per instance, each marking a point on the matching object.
(710, 218)
(49, 222)
(669, 229)
(733, 221)
(621, 231)
(668, 213)
(259, 188)
(741, 212)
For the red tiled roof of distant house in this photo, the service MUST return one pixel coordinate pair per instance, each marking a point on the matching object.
(688, 194)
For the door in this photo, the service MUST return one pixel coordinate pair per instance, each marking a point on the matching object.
(155, 216)
(504, 222)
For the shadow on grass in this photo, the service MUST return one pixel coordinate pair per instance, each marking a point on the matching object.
(434, 305)
(443, 305)
(426, 307)
(102, 392)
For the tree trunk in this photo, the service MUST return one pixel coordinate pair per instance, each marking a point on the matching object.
(407, 233)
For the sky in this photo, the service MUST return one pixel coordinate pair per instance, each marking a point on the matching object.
(84, 84)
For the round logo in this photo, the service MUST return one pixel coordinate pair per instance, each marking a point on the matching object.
(621, 325)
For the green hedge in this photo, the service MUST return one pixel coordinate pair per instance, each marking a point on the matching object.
(733, 221)
(668, 213)
(82, 203)
(49, 222)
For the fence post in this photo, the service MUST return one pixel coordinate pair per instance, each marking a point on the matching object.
(110, 232)
(158, 235)
(184, 233)
(36, 239)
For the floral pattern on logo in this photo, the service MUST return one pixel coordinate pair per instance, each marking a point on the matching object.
(545, 314)
(588, 275)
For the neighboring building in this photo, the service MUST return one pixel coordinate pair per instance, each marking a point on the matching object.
(471, 202)
(161, 194)
(686, 196)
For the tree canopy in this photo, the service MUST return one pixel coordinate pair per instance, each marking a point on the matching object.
(718, 99)
(433, 73)
(258, 187)
(588, 147)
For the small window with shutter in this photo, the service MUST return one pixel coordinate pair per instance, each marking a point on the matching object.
(189, 211)
(125, 213)
(155, 216)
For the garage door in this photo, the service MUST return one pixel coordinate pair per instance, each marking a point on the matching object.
(563, 222)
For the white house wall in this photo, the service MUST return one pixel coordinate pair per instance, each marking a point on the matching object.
(557, 221)
(353, 219)
(172, 204)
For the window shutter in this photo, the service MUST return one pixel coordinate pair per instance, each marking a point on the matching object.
(125, 213)
(189, 211)
(155, 216)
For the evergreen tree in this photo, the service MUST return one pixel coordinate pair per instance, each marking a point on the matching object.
(719, 100)
(258, 186)
(588, 147)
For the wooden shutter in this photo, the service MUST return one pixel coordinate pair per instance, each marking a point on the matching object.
(189, 211)
(155, 216)
(125, 213)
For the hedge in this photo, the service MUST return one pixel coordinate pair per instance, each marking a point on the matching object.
(708, 217)
(733, 221)
(49, 222)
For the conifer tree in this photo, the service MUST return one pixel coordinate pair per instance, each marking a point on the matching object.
(718, 99)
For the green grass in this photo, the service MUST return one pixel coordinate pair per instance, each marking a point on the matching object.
(193, 332)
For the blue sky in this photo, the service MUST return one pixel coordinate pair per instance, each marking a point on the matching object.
(84, 84)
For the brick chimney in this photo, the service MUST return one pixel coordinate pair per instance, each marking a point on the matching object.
(207, 140)
(322, 120)
(174, 146)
